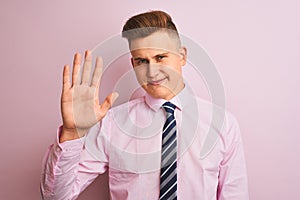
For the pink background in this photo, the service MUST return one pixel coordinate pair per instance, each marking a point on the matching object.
(255, 46)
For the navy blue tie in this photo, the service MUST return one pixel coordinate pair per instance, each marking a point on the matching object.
(168, 175)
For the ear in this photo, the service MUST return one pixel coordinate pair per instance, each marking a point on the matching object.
(183, 55)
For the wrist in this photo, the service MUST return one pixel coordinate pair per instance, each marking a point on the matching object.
(68, 134)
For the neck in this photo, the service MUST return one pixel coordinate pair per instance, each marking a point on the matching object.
(176, 91)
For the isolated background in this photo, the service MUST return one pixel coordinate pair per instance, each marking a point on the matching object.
(254, 44)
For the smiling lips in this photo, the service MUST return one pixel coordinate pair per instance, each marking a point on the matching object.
(156, 82)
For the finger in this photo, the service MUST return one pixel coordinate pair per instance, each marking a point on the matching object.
(66, 77)
(106, 105)
(76, 69)
(86, 67)
(97, 72)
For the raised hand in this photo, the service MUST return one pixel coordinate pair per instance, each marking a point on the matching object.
(80, 106)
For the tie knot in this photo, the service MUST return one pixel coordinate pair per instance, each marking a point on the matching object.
(169, 107)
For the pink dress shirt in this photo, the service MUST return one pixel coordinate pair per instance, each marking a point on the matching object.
(127, 143)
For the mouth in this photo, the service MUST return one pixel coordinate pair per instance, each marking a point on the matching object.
(157, 82)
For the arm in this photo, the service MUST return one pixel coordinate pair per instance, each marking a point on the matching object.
(233, 184)
(68, 167)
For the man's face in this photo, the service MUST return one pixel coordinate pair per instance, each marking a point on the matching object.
(157, 60)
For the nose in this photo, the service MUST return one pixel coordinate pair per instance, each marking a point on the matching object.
(152, 70)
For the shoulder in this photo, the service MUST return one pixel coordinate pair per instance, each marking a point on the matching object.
(219, 118)
(220, 126)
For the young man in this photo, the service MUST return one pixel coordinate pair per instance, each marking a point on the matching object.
(150, 145)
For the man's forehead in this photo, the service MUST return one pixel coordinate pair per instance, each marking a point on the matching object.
(159, 41)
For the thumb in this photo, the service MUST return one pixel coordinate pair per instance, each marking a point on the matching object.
(114, 97)
(106, 105)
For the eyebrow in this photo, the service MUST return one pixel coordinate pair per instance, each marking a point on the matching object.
(160, 54)
(139, 58)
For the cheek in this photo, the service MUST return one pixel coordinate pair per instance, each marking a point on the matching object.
(174, 63)
(174, 70)
(140, 74)
(139, 70)
(175, 77)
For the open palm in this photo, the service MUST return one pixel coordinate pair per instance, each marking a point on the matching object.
(80, 106)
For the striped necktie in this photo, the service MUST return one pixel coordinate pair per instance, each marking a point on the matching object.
(168, 175)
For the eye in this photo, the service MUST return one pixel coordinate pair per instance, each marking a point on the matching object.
(159, 57)
(142, 61)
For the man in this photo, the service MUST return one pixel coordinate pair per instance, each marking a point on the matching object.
(150, 145)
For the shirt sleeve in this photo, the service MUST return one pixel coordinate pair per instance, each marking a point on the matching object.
(233, 183)
(68, 168)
